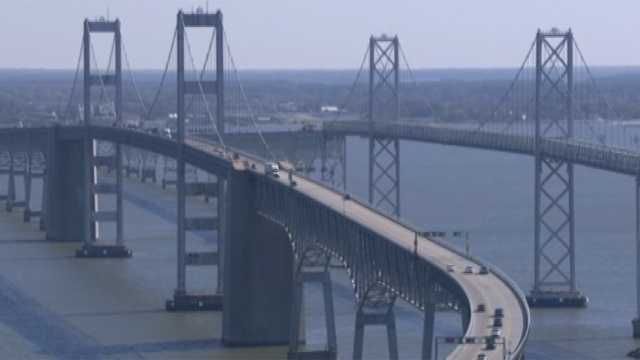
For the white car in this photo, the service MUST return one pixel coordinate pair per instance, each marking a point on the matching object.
(272, 169)
(451, 268)
(496, 332)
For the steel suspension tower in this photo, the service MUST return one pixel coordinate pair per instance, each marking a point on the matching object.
(199, 87)
(94, 161)
(554, 253)
(384, 153)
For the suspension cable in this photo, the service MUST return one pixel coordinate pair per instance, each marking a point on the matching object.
(505, 96)
(355, 83)
(133, 80)
(156, 97)
(202, 95)
(204, 66)
(245, 99)
(597, 89)
(98, 72)
(75, 82)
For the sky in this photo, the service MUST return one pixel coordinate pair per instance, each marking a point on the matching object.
(328, 34)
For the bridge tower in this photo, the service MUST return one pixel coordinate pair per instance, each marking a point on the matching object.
(554, 218)
(384, 153)
(182, 300)
(97, 216)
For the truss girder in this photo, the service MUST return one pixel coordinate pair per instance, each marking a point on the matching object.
(371, 260)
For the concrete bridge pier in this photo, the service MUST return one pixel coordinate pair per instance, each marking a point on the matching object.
(92, 246)
(30, 175)
(313, 267)
(428, 330)
(636, 322)
(67, 192)
(333, 160)
(182, 299)
(258, 274)
(132, 162)
(35, 168)
(43, 204)
(376, 309)
(465, 316)
(16, 168)
(11, 184)
(149, 167)
(168, 172)
(5, 166)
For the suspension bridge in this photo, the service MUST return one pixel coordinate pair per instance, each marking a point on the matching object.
(296, 226)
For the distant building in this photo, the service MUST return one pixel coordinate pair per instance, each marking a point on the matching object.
(329, 109)
(288, 106)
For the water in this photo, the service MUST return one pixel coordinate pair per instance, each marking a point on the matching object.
(443, 188)
(490, 194)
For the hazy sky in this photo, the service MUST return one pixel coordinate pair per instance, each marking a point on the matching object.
(329, 33)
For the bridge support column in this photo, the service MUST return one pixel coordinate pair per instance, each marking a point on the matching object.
(67, 190)
(16, 168)
(428, 330)
(258, 274)
(636, 322)
(168, 167)
(34, 162)
(35, 169)
(95, 157)
(333, 168)
(92, 247)
(465, 317)
(45, 189)
(11, 183)
(554, 215)
(313, 267)
(149, 167)
(182, 299)
(5, 159)
(27, 187)
(376, 310)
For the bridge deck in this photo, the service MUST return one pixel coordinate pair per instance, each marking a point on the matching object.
(490, 289)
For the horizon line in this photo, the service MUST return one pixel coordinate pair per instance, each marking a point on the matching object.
(319, 69)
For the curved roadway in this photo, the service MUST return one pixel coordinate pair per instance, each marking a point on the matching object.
(492, 290)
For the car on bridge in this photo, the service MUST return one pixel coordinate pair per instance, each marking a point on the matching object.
(272, 169)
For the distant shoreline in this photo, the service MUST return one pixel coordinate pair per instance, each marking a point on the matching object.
(334, 75)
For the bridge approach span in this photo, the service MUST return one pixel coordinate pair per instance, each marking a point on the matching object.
(376, 249)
